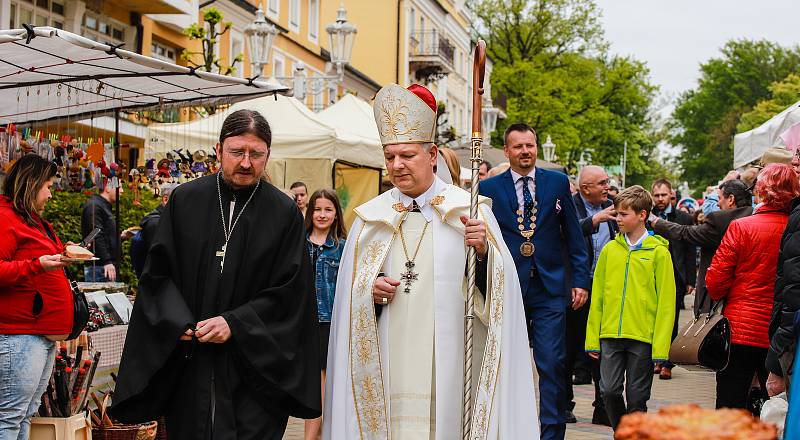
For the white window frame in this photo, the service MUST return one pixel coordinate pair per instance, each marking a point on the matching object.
(274, 9)
(313, 21)
(167, 48)
(96, 35)
(236, 36)
(412, 20)
(295, 15)
(51, 18)
(276, 60)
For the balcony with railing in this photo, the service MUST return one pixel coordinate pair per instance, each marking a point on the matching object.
(430, 53)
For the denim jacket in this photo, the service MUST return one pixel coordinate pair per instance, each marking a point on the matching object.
(325, 272)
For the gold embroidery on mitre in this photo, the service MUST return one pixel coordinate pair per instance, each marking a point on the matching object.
(402, 116)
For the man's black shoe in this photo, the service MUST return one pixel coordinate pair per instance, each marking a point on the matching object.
(582, 378)
(569, 416)
(600, 417)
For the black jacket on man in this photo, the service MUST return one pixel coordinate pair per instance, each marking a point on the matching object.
(588, 228)
(684, 255)
(97, 213)
(787, 295)
(708, 237)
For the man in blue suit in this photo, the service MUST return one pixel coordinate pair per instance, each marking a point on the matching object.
(540, 226)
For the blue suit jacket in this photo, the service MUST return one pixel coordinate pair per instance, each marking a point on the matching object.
(557, 230)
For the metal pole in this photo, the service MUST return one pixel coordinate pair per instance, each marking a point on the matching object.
(624, 162)
(478, 69)
(118, 252)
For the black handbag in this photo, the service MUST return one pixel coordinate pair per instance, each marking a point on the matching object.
(705, 341)
(80, 311)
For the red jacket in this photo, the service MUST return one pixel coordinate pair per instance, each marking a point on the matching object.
(22, 278)
(743, 274)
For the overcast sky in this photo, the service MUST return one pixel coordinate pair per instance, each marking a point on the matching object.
(675, 36)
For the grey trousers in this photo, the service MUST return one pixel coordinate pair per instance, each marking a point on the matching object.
(626, 365)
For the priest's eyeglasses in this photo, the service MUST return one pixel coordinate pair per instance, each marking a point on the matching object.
(240, 154)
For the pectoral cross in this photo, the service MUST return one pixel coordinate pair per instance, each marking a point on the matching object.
(221, 254)
(409, 276)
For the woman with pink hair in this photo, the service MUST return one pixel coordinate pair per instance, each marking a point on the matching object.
(742, 274)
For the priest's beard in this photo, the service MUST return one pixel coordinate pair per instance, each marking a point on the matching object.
(227, 181)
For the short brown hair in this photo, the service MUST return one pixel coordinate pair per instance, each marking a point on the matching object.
(26, 177)
(521, 128)
(662, 182)
(636, 198)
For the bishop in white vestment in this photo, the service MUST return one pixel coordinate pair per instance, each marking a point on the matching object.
(396, 353)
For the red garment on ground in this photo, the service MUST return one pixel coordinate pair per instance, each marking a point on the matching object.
(743, 274)
(22, 276)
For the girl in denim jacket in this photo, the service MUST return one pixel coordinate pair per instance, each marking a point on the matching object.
(325, 233)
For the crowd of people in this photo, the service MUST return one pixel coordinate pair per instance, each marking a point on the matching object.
(266, 306)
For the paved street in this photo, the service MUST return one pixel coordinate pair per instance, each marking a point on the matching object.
(685, 386)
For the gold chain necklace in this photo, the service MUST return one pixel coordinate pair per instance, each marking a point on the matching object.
(409, 276)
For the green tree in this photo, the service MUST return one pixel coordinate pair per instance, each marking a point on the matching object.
(209, 37)
(552, 71)
(784, 93)
(706, 118)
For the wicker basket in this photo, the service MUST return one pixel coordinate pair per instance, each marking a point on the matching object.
(143, 431)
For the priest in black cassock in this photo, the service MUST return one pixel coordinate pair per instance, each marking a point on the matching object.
(223, 340)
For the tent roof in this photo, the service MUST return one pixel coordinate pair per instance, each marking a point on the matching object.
(352, 117)
(297, 133)
(750, 145)
(48, 73)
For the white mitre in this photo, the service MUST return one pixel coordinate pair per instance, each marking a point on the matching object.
(405, 116)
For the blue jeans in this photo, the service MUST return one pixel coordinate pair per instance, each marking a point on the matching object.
(94, 274)
(26, 362)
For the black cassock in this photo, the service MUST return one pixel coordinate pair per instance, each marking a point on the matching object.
(247, 387)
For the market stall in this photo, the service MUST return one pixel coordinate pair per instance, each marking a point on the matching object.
(779, 131)
(55, 84)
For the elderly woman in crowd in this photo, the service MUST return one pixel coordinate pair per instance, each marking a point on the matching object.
(35, 296)
(742, 274)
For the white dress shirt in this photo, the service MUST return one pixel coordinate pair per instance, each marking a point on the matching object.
(423, 200)
(518, 186)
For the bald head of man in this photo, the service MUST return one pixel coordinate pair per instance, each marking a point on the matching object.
(593, 184)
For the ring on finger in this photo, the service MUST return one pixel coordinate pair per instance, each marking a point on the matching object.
(384, 300)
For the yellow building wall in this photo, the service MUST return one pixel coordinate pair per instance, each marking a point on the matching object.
(375, 49)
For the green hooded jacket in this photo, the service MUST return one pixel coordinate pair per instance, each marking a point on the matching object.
(633, 295)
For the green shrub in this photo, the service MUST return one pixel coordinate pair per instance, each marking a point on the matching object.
(64, 212)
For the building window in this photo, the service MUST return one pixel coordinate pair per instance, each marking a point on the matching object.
(163, 52)
(412, 20)
(313, 20)
(332, 94)
(274, 8)
(294, 16)
(237, 48)
(278, 64)
(38, 13)
(103, 29)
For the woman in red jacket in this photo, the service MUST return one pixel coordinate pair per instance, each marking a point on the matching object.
(35, 296)
(742, 274)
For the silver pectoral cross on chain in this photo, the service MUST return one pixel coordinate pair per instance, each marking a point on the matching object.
(409, 276)
(221, 254)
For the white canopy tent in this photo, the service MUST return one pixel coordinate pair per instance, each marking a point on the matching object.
(352, 118)
(304, 148)
(750, 145)
(47, 73)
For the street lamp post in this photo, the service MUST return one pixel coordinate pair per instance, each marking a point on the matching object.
(489, 115)
(549, 149)
(261, 36)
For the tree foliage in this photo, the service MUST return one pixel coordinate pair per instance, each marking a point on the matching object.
(553, 72)
(784, 93)
(208, 33)
(706, 118)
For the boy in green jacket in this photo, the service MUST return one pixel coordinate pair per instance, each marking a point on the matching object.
(632, 307)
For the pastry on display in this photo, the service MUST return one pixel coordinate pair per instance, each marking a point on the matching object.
(690, 422)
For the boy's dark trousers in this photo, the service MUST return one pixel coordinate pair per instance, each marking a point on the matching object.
(625, 364)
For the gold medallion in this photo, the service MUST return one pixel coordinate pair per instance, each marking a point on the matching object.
(526, 249)
(521, 228)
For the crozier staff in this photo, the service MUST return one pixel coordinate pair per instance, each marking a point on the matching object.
(223, 340)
